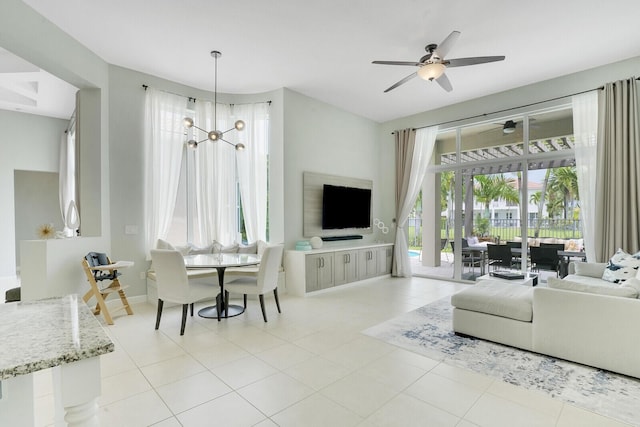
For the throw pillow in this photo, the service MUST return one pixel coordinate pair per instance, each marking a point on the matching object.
(591, 269)
(248, 249)
(218, 247)
(195, 250)
(163, 244)
(621, 266)
(614, 291)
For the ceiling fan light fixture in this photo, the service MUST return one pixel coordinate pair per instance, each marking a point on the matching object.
(509, 127)
(431, 71)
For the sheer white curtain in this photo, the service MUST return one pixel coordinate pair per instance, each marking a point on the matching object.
(252, 167)
(163, 147)
(585, 131)
(413, 153)
(215, 178)
(67, 181)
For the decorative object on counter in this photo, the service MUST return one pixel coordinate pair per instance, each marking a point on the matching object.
(72, 222)
(303, 245)
(46, 231)
(316, 242)
(381, 226)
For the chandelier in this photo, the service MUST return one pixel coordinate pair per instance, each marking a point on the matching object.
(214, 135)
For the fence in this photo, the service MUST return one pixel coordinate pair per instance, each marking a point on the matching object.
(505, 229)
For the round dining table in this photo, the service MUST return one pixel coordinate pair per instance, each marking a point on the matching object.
(220, 261)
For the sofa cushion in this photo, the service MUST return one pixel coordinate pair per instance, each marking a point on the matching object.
(602, 289)
(591, 269)
(497, 298)
(621, 266)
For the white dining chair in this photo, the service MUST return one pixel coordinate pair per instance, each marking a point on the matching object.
(265, 281)
(174, 286)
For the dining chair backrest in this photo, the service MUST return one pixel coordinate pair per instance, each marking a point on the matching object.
(556, 246)
(500, 253)
(545, 258)
(270, 263)
(171, 276)
(517, 245)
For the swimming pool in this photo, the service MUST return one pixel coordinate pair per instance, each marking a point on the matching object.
(413, 254)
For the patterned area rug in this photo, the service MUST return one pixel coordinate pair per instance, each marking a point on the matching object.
(428, 331)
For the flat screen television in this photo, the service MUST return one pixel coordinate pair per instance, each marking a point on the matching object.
(345, 207)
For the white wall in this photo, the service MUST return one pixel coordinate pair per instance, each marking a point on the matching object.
(324, 139)
(27, 142)
(36, 202)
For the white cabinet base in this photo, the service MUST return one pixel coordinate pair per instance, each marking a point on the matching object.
(335, 265)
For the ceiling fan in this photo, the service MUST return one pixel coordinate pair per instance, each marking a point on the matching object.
(433, 64)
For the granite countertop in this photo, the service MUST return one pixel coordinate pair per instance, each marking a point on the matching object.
(42, 334)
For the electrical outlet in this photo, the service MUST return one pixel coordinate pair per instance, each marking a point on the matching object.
(142, 275)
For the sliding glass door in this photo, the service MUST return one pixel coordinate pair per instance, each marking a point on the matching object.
(505, 182)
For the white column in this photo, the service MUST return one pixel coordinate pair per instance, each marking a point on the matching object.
(76, 392)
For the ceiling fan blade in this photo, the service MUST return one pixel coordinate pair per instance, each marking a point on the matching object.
(403, 81)
(416, 64)
(461, 62)
(443, 48)
(444, 82)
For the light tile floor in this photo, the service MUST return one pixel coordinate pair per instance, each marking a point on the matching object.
(309, 366)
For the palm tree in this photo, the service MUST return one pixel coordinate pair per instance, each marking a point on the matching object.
(543, 194)
(564, 181)
(493, 188)
(446, 197)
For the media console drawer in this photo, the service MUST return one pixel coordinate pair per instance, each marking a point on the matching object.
(330, 266)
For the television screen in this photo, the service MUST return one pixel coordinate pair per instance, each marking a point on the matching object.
(345, 207)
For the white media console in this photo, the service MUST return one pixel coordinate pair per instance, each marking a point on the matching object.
(334, 265)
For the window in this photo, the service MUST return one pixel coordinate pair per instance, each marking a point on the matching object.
(187, 224)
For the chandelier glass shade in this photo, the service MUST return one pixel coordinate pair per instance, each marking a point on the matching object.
(214, 135)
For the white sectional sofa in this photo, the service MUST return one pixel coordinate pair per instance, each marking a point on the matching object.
(580, 318)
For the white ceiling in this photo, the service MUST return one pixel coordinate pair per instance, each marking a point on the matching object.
(324, 49)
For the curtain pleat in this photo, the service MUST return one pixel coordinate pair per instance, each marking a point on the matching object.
(163, 147)
(585, 132)
(215, 179)
(413, 153)
(618, 201)
(252, 167)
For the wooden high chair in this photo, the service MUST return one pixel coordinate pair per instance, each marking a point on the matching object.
(99, 269)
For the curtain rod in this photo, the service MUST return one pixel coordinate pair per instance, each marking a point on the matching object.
(509, 109)
(192, 99)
